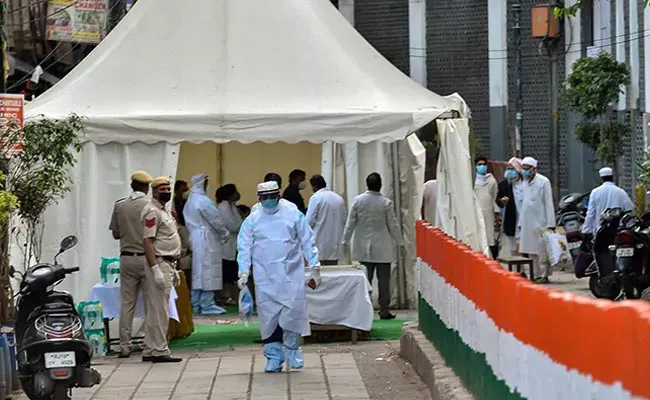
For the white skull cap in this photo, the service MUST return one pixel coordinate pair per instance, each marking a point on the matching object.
(196, 179)
(530, 161)
(605, 172)
(269, 187)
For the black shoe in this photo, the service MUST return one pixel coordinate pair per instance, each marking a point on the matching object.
(166, 359)
(386, 315)
(124, 355)
(147, 358)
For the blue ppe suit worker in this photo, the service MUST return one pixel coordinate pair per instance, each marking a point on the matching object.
(605, 196)
(208, 234)
(276, 241)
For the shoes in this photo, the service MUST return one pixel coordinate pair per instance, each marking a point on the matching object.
(165, 359)
(147, 358)
(124, 355)
(294, 357)
(386, 315)
(542, 281)
(274, 357)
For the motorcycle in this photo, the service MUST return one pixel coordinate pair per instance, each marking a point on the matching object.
(632, 249)
(53, 354)
(604, 282)
(572, 211)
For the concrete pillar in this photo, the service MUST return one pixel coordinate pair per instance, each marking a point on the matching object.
(620, 48)
(418, 41)
(646, 58)
(498, 73)
(634, 55)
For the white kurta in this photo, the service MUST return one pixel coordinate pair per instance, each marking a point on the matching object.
(486, 189)
(374, 225)
(277, 244)
(207, 236)
(537, 213)
(605, 196)
(326, 215)
(232, 221)
(429, 198)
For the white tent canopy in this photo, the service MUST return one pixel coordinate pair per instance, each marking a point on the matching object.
(244, 70)
(231, 70)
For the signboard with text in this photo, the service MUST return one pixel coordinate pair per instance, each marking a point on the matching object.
(82, 21)
(11, 109)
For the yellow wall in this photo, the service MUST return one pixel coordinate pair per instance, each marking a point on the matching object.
(246, 164)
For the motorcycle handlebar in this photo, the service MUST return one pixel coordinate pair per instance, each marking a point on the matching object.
(71, 269)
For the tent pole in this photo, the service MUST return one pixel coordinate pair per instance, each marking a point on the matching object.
(397, 194)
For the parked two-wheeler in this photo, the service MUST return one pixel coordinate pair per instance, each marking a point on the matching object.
(572, 211)
(53, 354)
(632, 250)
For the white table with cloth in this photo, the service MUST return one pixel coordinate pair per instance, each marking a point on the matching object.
(342, 299)
(109, 296)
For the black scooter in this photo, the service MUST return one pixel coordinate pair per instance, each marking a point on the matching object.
(53, 354)
(572, 211)
(632, 249)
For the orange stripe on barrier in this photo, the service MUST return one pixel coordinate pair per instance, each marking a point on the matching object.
(606, 340)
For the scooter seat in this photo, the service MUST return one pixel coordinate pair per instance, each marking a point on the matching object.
(57, 306)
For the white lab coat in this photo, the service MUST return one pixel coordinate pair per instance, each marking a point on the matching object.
(232, 221)
(429, 200)
(207, 236)
(605, 196)
(537, 213)
(277, 244)
(486, 189)
(326, 215)
(376, 233)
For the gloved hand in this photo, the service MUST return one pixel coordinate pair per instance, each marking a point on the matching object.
(158, 277)
(243, 281)
(177, 279)
(313, 281)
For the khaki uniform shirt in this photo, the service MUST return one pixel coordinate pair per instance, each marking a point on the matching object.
(126, 220)
(159, 225)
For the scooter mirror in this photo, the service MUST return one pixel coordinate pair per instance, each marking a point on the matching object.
(68, 242)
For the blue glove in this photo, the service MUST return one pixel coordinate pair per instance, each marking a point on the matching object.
(245, 305)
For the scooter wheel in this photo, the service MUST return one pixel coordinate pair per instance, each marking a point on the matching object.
(604, 288)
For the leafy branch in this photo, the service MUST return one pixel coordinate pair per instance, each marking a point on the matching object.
(560, 11)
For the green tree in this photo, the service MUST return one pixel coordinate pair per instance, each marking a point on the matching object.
(38, 176)
(591, 89)
(559, 10)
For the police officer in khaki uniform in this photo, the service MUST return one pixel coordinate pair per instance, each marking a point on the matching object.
(162, 246)
(126, 225)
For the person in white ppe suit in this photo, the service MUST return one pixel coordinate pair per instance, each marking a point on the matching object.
(274, 177)
(277, 241)
(605, 196)
(537, 213)
(326, 216)
(207, 237)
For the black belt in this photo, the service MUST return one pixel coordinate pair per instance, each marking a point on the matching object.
(129, 254)
(169, 259)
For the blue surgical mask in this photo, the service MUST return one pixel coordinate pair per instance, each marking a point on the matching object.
(511, 174)
(270, 203)
(526, 173)
(481, 169)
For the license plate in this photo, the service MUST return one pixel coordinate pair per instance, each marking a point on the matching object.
(574, 245)
(625, 252)
(63, 359)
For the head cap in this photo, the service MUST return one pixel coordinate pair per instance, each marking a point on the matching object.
(515, 163)
(530, 161)
(161, 180)
(270, 187)
(141, 177)
(199, 178)
(605, 172)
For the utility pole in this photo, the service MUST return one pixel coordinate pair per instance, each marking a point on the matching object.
(554, 94)
(516, 29)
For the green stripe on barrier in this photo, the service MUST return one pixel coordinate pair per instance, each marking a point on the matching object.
(472, 367)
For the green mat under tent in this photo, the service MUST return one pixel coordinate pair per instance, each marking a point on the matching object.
(223, 335)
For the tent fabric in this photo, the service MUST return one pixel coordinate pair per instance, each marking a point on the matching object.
(458, 213)
(243, 70)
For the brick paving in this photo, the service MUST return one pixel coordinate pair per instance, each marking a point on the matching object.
(325, 377)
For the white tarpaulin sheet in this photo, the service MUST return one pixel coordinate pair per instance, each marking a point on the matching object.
(458, 213)
(245, 70)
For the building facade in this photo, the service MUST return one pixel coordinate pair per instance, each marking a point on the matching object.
(467, 46)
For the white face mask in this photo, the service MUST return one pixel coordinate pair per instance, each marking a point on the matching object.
(302, 185)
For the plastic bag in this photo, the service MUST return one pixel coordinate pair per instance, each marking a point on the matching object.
(245, 305)
(557, 249)
(109, 271)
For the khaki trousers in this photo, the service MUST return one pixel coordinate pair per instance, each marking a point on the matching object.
(132, 281)
(156, 321)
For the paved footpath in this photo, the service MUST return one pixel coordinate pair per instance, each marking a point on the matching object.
(229, 377)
